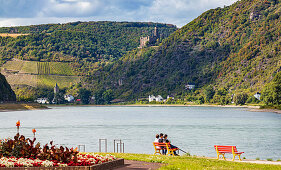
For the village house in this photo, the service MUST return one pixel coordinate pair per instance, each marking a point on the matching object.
(170, 96)
(69, 98)
(152, 98)
(159, 98)
(42, 100)
(258, 95)
(189, 86)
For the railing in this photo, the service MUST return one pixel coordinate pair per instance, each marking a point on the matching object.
(118, 144)
(105, 145)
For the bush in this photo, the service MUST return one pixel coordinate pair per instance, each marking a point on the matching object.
(252, 100)
(24, 147)
(240, 99)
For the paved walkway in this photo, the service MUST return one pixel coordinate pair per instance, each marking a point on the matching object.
(139, 165)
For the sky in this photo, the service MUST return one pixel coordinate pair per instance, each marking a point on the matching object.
(33, 12)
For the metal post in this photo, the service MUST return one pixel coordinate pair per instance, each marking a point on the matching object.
(114, 146)
(120, 146)
(81, 146)
(105, 145)
(99, 145)
(116, 143)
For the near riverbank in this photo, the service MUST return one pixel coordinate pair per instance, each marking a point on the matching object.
(193, 162)
(21, 106)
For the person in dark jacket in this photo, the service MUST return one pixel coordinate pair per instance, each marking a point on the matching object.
(165, 140)
(161, 140)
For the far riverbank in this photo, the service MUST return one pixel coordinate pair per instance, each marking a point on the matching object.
(36, 106)
(250, 108)
(21, 106)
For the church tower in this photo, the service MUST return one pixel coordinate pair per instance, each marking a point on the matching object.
(56, 89)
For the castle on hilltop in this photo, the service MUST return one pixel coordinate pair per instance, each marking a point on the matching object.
(149, 40)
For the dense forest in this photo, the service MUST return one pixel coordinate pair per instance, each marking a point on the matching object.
(225, 51)
(87, 45)
(228, 53)
(6, 93)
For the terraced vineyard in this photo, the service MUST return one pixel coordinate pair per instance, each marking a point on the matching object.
(22, 79)
(15, 65)
(29, 67)
(39, 74)
(43, 68)
(54, 68)
(51, 80)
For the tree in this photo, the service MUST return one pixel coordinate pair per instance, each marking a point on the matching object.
(240, 99)
(271, 94)
(84, 95)
(107, 96)
(209, 93)
(59, 98)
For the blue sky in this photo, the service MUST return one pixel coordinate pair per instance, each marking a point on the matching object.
(178, 12)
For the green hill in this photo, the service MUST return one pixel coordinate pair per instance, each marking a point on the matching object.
(6, 93)
(89, 45)
(37, 57)
(235, 49)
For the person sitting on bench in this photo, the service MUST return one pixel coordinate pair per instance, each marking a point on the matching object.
(156, 138)
(172, 146)
(161, 140)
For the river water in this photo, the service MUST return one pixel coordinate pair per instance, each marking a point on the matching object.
(194, 129)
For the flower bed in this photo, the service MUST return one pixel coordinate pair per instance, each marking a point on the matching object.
(24, 152)
(82, 160)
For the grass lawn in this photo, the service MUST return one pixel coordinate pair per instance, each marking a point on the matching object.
(189, 162)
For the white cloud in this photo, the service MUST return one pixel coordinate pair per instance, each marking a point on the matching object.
(179, 12)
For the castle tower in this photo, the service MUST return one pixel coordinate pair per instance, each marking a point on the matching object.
(56, 89)
(156, 34)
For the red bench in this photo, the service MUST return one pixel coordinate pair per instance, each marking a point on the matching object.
(222, 150)
(166, 146)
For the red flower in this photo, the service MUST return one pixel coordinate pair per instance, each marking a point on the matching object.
(18, 123)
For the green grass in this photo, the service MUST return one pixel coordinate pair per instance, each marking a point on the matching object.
(188, 162)
(51, 80)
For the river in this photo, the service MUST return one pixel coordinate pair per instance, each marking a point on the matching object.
(194, 129)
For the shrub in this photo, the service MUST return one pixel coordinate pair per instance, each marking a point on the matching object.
(240, 99)
(24, 147)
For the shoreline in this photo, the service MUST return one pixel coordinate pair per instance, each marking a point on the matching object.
(4, 107)
(250, 108)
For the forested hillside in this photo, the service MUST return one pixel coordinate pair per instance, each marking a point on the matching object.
(6, 93)
(234, 49)
(87, 45)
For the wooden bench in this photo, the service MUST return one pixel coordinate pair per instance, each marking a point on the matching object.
(164, 146)
(222, 150)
